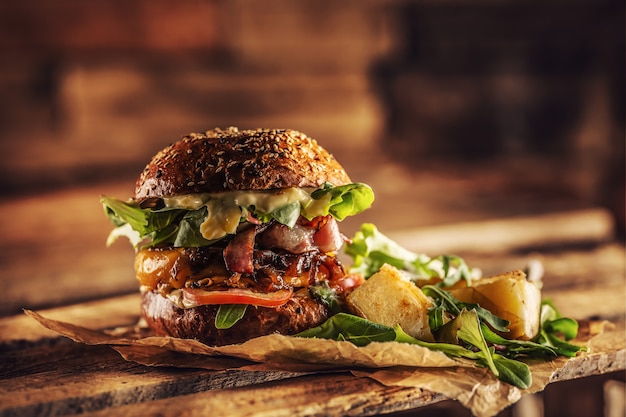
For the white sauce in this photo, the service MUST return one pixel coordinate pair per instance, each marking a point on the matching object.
(224, 209)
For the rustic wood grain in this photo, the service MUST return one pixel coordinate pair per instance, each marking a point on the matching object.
(100, 314)
(51, 376)
(510, 234)
(62, 377)
(42, 374)
(325, 395)
(337, 394)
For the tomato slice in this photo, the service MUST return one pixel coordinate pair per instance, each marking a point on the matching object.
(237, 296)
(348, 282)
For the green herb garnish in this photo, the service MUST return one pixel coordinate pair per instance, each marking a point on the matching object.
(229, 314)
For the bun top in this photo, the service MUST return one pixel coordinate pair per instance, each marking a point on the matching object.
(235, 160)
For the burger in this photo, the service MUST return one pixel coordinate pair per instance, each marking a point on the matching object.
(236, 234)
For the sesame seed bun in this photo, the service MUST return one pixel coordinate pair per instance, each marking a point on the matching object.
(235, 160)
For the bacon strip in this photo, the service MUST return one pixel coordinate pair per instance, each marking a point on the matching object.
(328, 238)
(238, 253)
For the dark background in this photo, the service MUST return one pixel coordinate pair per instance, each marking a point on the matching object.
(91, 90)
(453, 111)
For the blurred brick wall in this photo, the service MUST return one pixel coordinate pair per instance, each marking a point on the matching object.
(92, 89)
(537, 85)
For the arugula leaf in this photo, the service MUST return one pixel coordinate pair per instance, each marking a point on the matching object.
(449, 349)
(229, 314)
(166, 234)
(120, 213)
(360, 332)
(508, 370)
(447, 333)
(564, 326)
(179, 226)
(370, 249)
(552, 322)
(553, 326)
(343, 326)
(288, 214)
(469, 331)
(454, 270)
(511, 371)
(517, 347)
(437, 317)
(454, 306)
(188, 231)
(345, 200)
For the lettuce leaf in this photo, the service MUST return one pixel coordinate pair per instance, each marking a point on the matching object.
(181, 227)
(144, 221)
(370, 249)
(345, 200)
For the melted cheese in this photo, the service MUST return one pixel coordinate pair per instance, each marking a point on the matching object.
(224, 209)
(154, 269)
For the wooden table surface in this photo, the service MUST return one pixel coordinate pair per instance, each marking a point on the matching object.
(44, 374)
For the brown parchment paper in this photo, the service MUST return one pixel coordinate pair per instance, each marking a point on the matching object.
(390, 363)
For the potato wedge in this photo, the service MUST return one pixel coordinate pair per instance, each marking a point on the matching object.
(388, 297)
(509, 296)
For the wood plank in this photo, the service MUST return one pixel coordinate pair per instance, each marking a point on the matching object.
(97, 314)
(94, 378)
(331, 395)
(63, 377)
(341, 394)
(65, 234)
(55, 377)
(505, 235)
(602, 302)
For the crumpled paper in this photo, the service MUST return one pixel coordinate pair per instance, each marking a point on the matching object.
(389, 363)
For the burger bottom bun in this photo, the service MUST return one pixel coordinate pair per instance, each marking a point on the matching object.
(166, 319)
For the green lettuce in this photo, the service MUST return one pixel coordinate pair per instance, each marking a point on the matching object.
(148, 227)
(370, 249)
(345, 200)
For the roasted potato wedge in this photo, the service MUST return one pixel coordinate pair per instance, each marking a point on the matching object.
(509, 296)
(388, 297)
